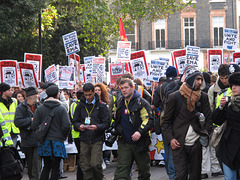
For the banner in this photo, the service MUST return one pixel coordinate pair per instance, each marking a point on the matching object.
(51, 74)
(27, 75)
(236, 58)
(138, 66)
(157, 69)
(179, 59)
(192, 55)
(36, 61)
(123, 51)
(214, 59)
(230, 39)
(66, 77)
(157, 148)
(70, 42)
(8, 70)
(98, 64)
(116, 70)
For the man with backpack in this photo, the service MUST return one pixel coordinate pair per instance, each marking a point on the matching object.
(187, 129)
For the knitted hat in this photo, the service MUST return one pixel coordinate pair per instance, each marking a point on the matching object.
(52, 91)
(4, 87)
(232, 68)
(234, 79)
(171, 72)
(31, 91)
(191, 75)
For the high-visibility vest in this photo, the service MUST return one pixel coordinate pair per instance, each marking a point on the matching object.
(75, 134)
(8, 116)
(6, 134)
(140, 90)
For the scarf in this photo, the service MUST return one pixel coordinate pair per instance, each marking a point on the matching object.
(191, 96)
(235, 103)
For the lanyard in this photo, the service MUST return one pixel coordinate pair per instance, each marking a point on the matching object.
(127, 103)
(89, 113)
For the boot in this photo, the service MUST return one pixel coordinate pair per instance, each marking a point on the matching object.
(72, 162)
(65, 164)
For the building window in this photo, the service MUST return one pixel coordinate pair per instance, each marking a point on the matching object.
(189, 31)
(217, 24)
(130, 33)
(160, 36)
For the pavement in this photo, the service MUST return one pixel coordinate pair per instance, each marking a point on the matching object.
(157, 173)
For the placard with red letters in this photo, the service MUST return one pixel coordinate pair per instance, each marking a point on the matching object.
(8, 70)
(98, 64)
(123, 51)
(215, 57)
(236, 58)
(116, 70)
(36, 61)
(51, 74)
(179, 60)
(28, 75)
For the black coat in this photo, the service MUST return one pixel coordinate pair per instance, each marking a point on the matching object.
(60, 124)
(23, 120)
(99, 117)
(229, 147)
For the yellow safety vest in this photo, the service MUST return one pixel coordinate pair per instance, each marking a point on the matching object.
(75, 134)
(8, 116)
(228, 93)
(6, 134)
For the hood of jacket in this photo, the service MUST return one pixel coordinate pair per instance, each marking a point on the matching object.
(51, 103)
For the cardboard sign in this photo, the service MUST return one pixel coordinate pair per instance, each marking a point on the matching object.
(66, 77)
(98, 64)
(71, 44)
(236, 58)
(51, 74)
(123, 51)
(230, 39)
(88, 76)
(116, 70)
(179, 59)
(88, 61)
(28, 75)
(138, 66)
(192, 55)
(36, 61)
(157, 69)
(71, 62)
(214, 59)
(9, 74)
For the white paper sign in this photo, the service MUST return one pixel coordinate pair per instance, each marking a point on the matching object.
(123, 51)
(71, 44)
(230, 39)
(66, 77)
(192, 55)
(157, 69)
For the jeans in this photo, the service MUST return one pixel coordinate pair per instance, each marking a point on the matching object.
(229, 174)
(169, 165)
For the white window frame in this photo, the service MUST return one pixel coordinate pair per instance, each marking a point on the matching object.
(217, 26)
(160, 25)
(189, 27)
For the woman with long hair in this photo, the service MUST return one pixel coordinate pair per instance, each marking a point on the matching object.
(101, 90)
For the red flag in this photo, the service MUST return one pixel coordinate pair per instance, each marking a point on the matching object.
(122, 31)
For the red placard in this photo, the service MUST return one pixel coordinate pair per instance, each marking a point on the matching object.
(179, 60)
(136, 55)
(36, 60)
(116, 70)
(215, 57)
(9, 73)
(27, 75)
(236, 57)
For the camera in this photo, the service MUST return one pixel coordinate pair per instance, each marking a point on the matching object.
(110, 137)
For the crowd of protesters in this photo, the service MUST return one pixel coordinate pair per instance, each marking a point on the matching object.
(184, 108)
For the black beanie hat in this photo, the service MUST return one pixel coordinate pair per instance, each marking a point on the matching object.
(207, 77)
(52, 91)
(234, 79)
(232, 68)
(31, 91)
(4, 87)
(191, 75)
(171, 72)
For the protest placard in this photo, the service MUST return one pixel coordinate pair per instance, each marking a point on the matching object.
(236, 58)
(230, 39)
(88, 61)
(51, 74)
(214, 59)
(28, 76)
(66, 77)
(138, 66)
(98, 64)
(123, 51)
(71, 44)
(9, 74)
(87, 76)
(75, 64)
(116, 70)
(36, 61)
(157, 68)
(192, 55)
(82, 69)
(179, 60)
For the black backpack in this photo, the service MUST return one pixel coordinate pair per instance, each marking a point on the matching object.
(11, 167)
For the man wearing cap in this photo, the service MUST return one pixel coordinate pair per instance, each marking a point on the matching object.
(23, 120)
(8, 107)
(183, 130)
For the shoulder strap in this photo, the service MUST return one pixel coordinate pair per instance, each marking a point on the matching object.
(179, 99)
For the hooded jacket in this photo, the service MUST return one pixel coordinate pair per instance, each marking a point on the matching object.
(60, 124)
(99, 117)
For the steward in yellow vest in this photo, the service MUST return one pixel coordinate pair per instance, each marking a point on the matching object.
(4, 133)
(8, 107)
